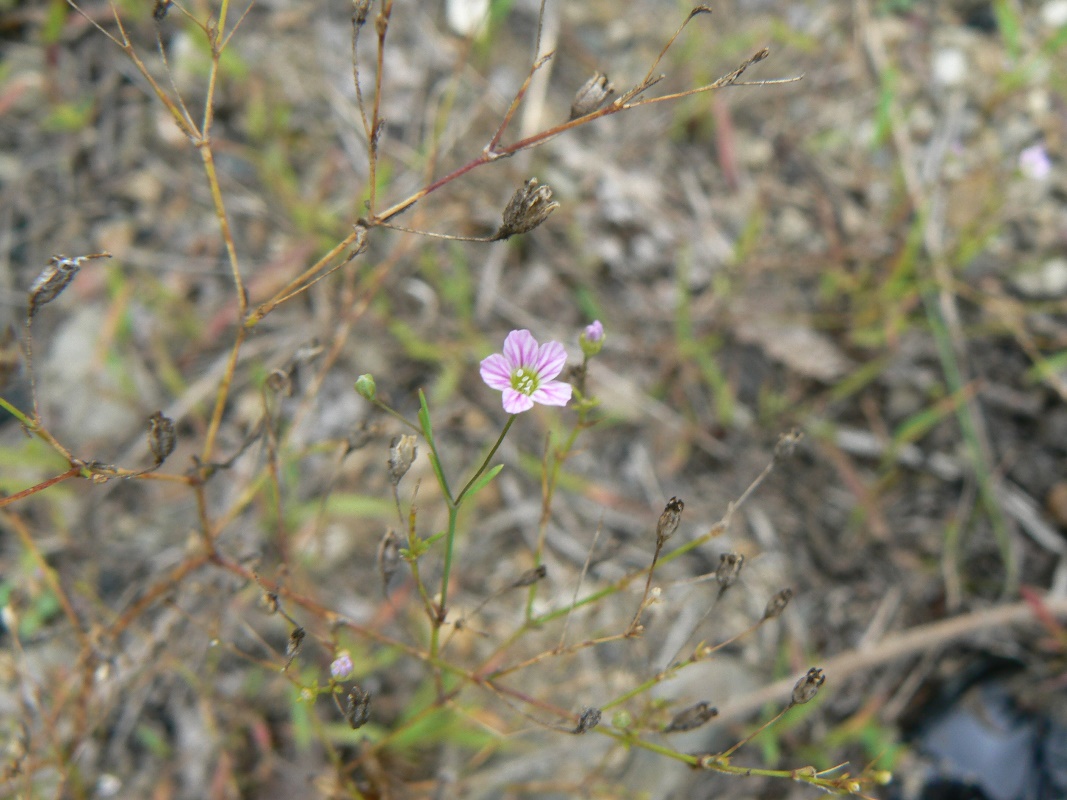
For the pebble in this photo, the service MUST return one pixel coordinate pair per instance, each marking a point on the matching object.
(1047, 282)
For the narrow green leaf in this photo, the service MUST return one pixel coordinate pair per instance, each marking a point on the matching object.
(483, 481)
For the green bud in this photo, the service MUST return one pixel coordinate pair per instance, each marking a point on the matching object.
(365, 386)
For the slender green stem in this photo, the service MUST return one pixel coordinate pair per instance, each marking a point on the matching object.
(453, 514)
(485, 464)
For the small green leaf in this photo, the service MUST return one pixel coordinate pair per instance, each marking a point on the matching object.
(483, 481)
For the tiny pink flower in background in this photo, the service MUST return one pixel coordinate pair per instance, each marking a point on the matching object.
(1034, 163)
(525, 373)
(594, 332)
(341, 667)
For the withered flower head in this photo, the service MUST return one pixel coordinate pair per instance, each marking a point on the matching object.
(590, 719)
(692, 717)
(159, 12)
(402, 452)
(593, 94)
(528, 207)
(669, 519)
(161, 436)
(808, 686)
(776, 605)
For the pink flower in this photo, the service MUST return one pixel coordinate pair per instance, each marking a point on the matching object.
(1034, 163)
(525, 373)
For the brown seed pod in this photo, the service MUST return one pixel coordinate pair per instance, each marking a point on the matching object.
(161, 436)
(528, 207)
(692, 717)
(808, 686)
(590, 719)
(593, 94)
(669, 519)
(777, 604)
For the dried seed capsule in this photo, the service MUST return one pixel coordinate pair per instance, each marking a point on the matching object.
(528, 207)
(161, 436)
(787, 444)
(776, 605)
(296, 638)
(402, 452)
(357, 707)
(808, 686)
(729, 568)
(159, 12)
(360, 9)
(270, 602)
(692, 717)
(54, 279)
(531, 576)
(669, 519)
(388, 557)
(590, 719)
(591, 96)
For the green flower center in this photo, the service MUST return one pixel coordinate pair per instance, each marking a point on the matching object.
(524, 381)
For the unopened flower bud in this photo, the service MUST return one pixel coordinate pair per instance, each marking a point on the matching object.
(366, 387)
(528, 207)
(776, 605)
(669, 519)
(592, 339)
(161, 436)
(591, 96)
(692, 717)
(729, 568)
(808, 686)
(402, 452)
(590, 719)
(341, 667)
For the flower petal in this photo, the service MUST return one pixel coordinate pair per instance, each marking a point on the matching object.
(520, 349)
(496, 372)
(516, 402)
(553, 393)
(551, 358)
